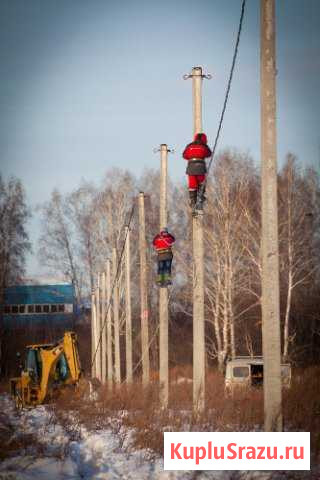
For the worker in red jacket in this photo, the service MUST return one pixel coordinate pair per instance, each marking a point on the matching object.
(163, 245)
(196, 153)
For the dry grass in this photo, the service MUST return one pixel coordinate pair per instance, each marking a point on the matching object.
(138, 409)
(301, 405)
(241, 412)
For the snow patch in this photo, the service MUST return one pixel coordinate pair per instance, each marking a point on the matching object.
(99, 455)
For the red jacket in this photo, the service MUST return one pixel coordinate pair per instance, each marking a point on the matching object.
(198, 149)
(163, 241)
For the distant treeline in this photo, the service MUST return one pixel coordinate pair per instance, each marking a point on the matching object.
(79, 230)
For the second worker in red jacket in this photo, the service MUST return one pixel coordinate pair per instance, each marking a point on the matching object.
(163, 246)
(196, 153)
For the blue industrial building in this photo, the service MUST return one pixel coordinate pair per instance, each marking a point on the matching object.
(39, 305)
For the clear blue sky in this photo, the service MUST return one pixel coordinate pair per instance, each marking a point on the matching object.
(86, 85)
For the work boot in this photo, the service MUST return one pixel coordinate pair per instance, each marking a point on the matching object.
(199, 205)
(201, 198)
(167, 279)
(193, 198)
(159, 279)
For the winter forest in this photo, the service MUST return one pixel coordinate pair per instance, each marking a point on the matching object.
(80, 228)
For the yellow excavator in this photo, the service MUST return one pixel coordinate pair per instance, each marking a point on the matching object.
(49, 367)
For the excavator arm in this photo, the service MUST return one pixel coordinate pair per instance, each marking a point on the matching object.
(72, 355)
(49, 359)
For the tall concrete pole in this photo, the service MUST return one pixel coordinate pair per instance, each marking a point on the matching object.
(197, 99)
(96, 339)
(117, 368)
(143, 294)
(93, 336)
(109, 325)
(98, 316)
(104, 330)
(198, 266)
(163, 185)
(128, 309)
(271, 343)
(163, 292)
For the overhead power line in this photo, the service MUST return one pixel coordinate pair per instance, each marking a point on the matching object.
(234, 58)
(114, 281)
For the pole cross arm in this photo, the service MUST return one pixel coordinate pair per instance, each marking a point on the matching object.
(197, 72)
(163, 146)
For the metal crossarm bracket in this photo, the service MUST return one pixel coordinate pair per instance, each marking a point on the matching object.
(169, 150)
(203, 75)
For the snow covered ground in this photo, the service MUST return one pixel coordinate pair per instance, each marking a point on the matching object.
(96, 455)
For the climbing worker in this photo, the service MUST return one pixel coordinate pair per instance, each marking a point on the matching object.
(196, 153)
(163, 245)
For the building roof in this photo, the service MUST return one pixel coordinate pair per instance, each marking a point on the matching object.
(246, 361)
(39, 294)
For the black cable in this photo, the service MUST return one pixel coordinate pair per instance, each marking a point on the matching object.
(235, 53)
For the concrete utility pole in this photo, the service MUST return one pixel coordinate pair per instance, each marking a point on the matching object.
(104, 331)
(163, 185)
(98, 344)
(163, 292)
(143, 294)
(271, 344)
(128, 309)
(198, 264)
(109, 326)
(117, 368)
(93, 336)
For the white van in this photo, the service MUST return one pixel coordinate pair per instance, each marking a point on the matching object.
(248, 371)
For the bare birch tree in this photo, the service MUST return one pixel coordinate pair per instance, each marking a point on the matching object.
(57, 244)
(228, 279)
(297, 262)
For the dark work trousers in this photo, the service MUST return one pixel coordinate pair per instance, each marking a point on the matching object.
(164, 266)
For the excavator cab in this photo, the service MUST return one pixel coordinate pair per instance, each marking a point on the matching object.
(33, 363)
(49, 367)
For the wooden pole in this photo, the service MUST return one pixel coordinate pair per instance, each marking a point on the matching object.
(109, 325)
(98, 316)
(143, 294)
(198, 268)
(117, 368)
(128, 309)
(271, 343)
(104, 330)
(93, 336)
(163, 292)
